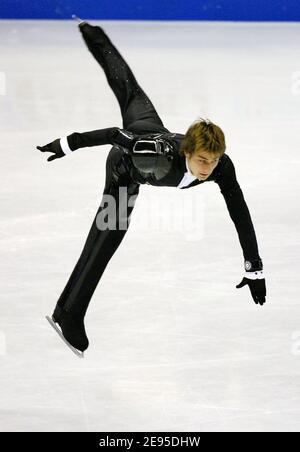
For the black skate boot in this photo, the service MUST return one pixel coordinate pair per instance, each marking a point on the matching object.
(71, 330)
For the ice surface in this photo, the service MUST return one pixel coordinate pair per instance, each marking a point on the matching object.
(174, 345)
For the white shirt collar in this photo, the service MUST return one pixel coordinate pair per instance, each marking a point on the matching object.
(188, 169)
(188, 177)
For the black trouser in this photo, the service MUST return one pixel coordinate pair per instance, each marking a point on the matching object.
(140, 116)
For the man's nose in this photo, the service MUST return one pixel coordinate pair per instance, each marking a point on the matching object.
(210, 166)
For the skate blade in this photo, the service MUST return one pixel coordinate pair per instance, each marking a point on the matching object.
(80, 21)
(59, 332)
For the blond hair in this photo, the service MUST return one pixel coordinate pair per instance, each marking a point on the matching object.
(203, 135)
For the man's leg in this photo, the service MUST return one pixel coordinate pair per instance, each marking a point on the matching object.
(101, 244)
(134, 103)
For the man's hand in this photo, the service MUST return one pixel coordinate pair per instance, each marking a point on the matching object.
(53, 147)
(257, 288)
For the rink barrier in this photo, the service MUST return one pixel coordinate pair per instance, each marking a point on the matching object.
(212, 10)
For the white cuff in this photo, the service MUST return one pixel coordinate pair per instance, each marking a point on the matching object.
(65, 146)
(255, 275)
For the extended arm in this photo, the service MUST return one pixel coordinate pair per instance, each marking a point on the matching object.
(240, 215)
(149, 154)
(66, 145)
(238, 211)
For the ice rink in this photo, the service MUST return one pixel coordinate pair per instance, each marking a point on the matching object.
(174, 346)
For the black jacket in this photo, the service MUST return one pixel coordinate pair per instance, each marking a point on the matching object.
(223, 175)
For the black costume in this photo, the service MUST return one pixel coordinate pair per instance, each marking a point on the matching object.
(143, 152)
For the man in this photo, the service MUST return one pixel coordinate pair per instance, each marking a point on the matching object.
(143, 152)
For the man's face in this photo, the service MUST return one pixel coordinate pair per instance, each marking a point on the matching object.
(202, 163)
